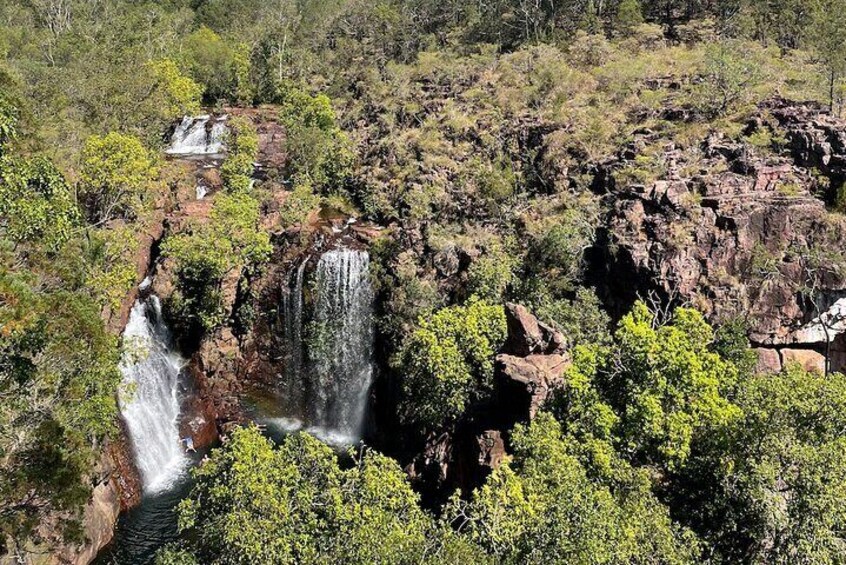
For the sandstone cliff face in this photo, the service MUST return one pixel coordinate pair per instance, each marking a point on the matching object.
(738, 230)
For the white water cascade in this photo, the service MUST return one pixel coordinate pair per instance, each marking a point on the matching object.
(198, 135)
(150, 408)
(328, 394)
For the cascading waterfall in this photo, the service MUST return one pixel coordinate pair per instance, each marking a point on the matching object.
(329, 393)
(198, 135)
(294, 402)
(151, 368)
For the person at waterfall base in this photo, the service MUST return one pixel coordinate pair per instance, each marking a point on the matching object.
(189, 444)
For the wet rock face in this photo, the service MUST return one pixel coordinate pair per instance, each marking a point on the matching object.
(741, 233)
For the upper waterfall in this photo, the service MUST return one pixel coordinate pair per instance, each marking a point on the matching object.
(151, 370)
(198, 135)
(328, 394)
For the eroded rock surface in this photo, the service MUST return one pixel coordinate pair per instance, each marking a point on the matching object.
(737, 230)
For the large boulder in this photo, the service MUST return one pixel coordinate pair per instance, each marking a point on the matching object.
(808, 359)
(528, 335)
(524, 383)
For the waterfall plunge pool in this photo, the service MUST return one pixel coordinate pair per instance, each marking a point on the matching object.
(336, 388)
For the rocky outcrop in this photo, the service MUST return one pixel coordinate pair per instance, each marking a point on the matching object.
(528, 335)
(529, 368)
(734, 229)
(524, 383)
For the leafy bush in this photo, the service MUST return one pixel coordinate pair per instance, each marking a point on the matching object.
(232, 239)
(449, 362)
(181, 94)
(298, 205)
(36, 204)
(670, 387)
(241, 154)
(317, 148)
(116, 170)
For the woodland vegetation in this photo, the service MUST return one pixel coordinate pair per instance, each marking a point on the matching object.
(663, 447)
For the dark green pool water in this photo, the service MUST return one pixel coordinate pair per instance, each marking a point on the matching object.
(147, 527)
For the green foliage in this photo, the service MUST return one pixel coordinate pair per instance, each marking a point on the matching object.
(8, 122)
(116, 170)
(449, 362)
(629, 16)
(298, 205)
(53, 347)
(231, 239)
(581, 319)
(317, 148)
(111, 269)
(174, 555)
(294, 504)
(543, 507)
(560, 230)
(670, 387)
(731, 73)
(828, 39)
(222, 67)
(36, 204)
(772, 487)
(241, 154)
(182, 95)
(490, 275)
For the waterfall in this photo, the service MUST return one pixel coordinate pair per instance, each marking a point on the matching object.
(197, 136)
(293, 339)
(151, 370)
(328, 395)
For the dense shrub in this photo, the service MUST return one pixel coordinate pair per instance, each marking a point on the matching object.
(448, 362)
(116, 170)
(241, 155)
(231, 241)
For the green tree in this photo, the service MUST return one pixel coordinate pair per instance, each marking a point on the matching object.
(241, 154)
(116, 170)
(668, 385)
(772, 487)
(629, 16)
(53, 348)
(316, 146)
(731, 72)
(36, 204)
(543, 507)
(181, 95)
(827, 36)
(231, 240)
(254, 503)
(211, 62)
(448, 361)
(8, 122)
